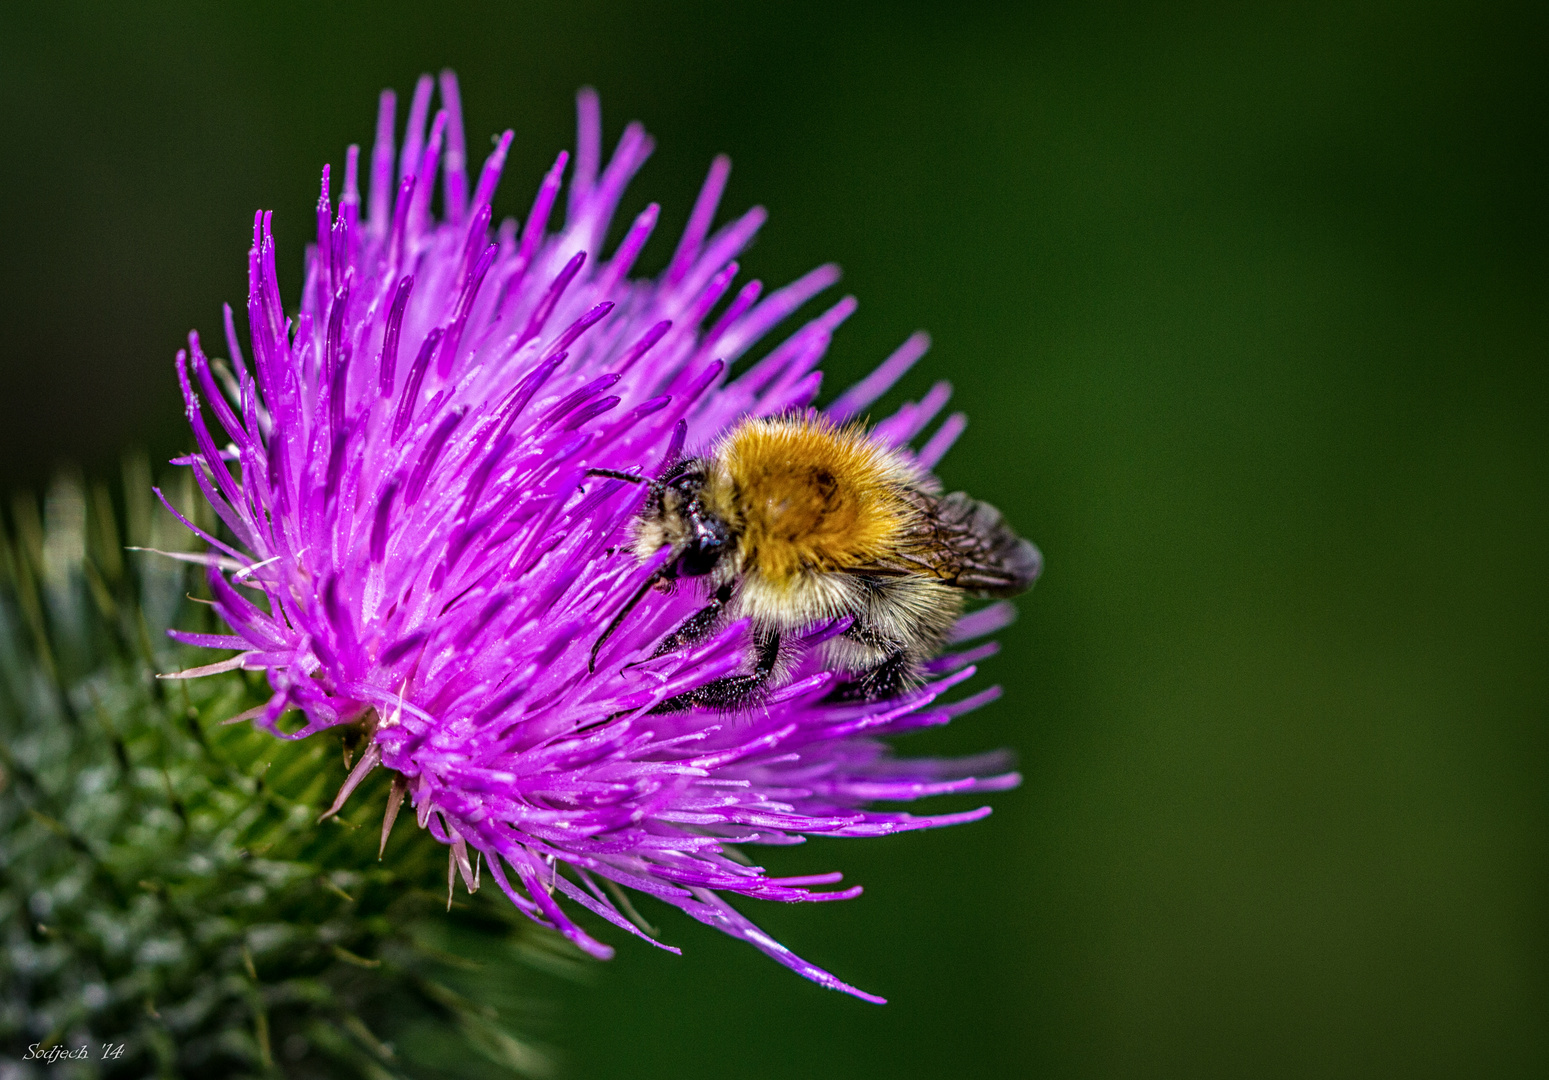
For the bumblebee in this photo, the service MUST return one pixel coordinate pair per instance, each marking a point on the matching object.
(792, 521)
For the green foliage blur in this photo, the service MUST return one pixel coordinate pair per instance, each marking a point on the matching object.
(1249, 308)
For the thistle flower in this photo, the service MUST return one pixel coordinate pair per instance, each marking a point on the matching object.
(417, 549)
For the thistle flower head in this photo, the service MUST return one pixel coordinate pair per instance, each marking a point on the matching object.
(416, 546)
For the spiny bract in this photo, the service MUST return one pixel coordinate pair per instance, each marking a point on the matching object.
(168, 905)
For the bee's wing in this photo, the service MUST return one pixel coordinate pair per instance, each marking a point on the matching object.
(968, 544)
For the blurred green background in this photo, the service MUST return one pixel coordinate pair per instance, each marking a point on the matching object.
(1249, 307)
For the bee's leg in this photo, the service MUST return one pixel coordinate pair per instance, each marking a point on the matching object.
(733, 691)
(889, 678)
(885, 680)
(697, 626)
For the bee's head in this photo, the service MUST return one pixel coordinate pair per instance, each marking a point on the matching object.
(684, 521)
(677, 515)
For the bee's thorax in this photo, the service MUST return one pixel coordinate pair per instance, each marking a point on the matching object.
(807, 497)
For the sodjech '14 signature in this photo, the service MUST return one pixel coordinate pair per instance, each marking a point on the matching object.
(35, 1052)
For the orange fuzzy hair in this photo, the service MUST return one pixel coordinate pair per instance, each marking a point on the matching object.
(810, 496)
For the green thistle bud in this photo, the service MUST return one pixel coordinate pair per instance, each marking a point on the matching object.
(170, 903)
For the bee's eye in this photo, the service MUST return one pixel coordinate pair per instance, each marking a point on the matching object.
(698, 561)
(710, 541)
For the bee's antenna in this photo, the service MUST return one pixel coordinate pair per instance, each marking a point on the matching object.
(614, 474)
(645, 587)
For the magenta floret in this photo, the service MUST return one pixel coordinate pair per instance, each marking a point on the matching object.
(417, 547)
